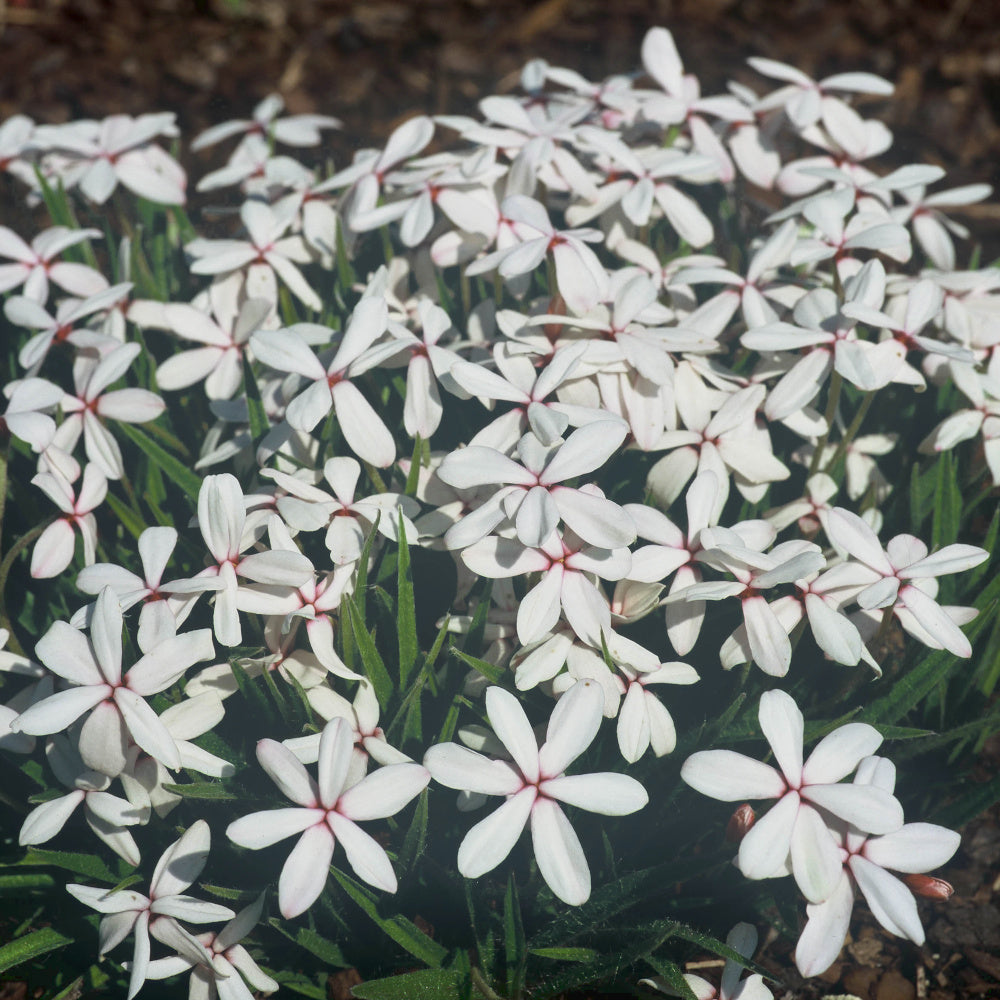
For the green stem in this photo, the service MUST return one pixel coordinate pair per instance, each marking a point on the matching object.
(853, 429)
(377, 481)
(5, 567)
(883, 629)
(482, 986)
(836, 384)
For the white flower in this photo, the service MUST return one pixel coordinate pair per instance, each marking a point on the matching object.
(534, 784)
(326, 813)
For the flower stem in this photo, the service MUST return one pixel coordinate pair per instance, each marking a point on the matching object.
(852, 430)
(482, 986)
(836, 384)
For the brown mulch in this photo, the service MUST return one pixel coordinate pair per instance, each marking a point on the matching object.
(373, 63)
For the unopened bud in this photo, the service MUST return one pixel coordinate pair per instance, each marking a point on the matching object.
(557, 307)
(929, 887)
(740, 822)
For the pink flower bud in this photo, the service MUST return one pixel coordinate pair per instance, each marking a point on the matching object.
(740, 822)
(929, 887)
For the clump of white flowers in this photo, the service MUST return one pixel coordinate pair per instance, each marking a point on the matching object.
(601, 373)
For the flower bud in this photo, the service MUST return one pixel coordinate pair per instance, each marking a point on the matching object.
(740, 822)
(929, 887)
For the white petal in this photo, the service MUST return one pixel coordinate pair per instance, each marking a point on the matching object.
(513, 730)
(606, 793)
(558, 852)
(305, 871)
(492, 839)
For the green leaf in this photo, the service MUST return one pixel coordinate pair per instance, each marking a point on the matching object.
(360, 595)
(921, 490)
(404, 932)
(513, 937)
(427, 984)
(173, 468)
(87, 865)
(406, 609)
(490, 671)
(18, 885)
(201, 790)
(370, 658)
(947, 513)
(970, 805)
(671, 972)
(298, 983)
(416, 836)
(326, 951)
(970, 580)
(567, 954)
(131, 521)
(259, 424)
(31, 946)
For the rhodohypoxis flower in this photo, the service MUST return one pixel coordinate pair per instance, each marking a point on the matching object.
(226, 962)
(325, 814)
(294, 130)
(128, 911)
(535, 498)
(794, 830)
(90, 403)
(223, 522)
(115, 701)
(534, 782)
(53, 551)
(331, 386)
(23, 418)
(36, 265)
(896, 570)
(867, 861)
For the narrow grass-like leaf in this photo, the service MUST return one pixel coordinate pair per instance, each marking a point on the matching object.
(19, 885)
(326, 951)
(490, 671)
(30, 946)
(360, 595)
(298, 983)
(971, 804)
(259, 424)
(415, 840)
(426, 984)
(173, 468)
(372, 662)
(947, 514)
(514, 943)
(131, 521)
(87, 865)
(416, 461)
(404, 932)
(204, 790)
(406, 609)
(566, 954)
(672, 975)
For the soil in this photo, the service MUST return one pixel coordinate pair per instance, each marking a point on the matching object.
(373, 64)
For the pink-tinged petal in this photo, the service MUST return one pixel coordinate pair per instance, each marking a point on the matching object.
(364, 854)
(596, 520)
(585, 608)
(294, 279)
(633, 724)
(58, 711)
(840, 752)
(558, 852)
(336, 748)
(133, 406)
(310, 406)
(262, 829)
(489, 842)
(731, 777)
(950, 559)
(305, 871)
(880, 594)
(478, 466)
(46, 820)
(499, 558)
(816, 862)
(585, 450)
(782, 725)
(849, 532)
(155, 548)
(935, 620)
(146, 728)
(764, 850)
(279, 567)
(53, 551)
(140, 954)
(835, 634)
(422, 408)
(825, 931)
(538, 612)
(537, 517)
(165, 664)
(221, 515)
(572, 727)
(363, 429)
(285, 770)
(914, 848)
(103, 740)
(606, 793)
(181, 907)
(106, 635)
(513, 730)
(770, 646)
(891, 902)
(455, 766)
(383, 792)
(869, 809)
(287, 351)
(66, 652)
